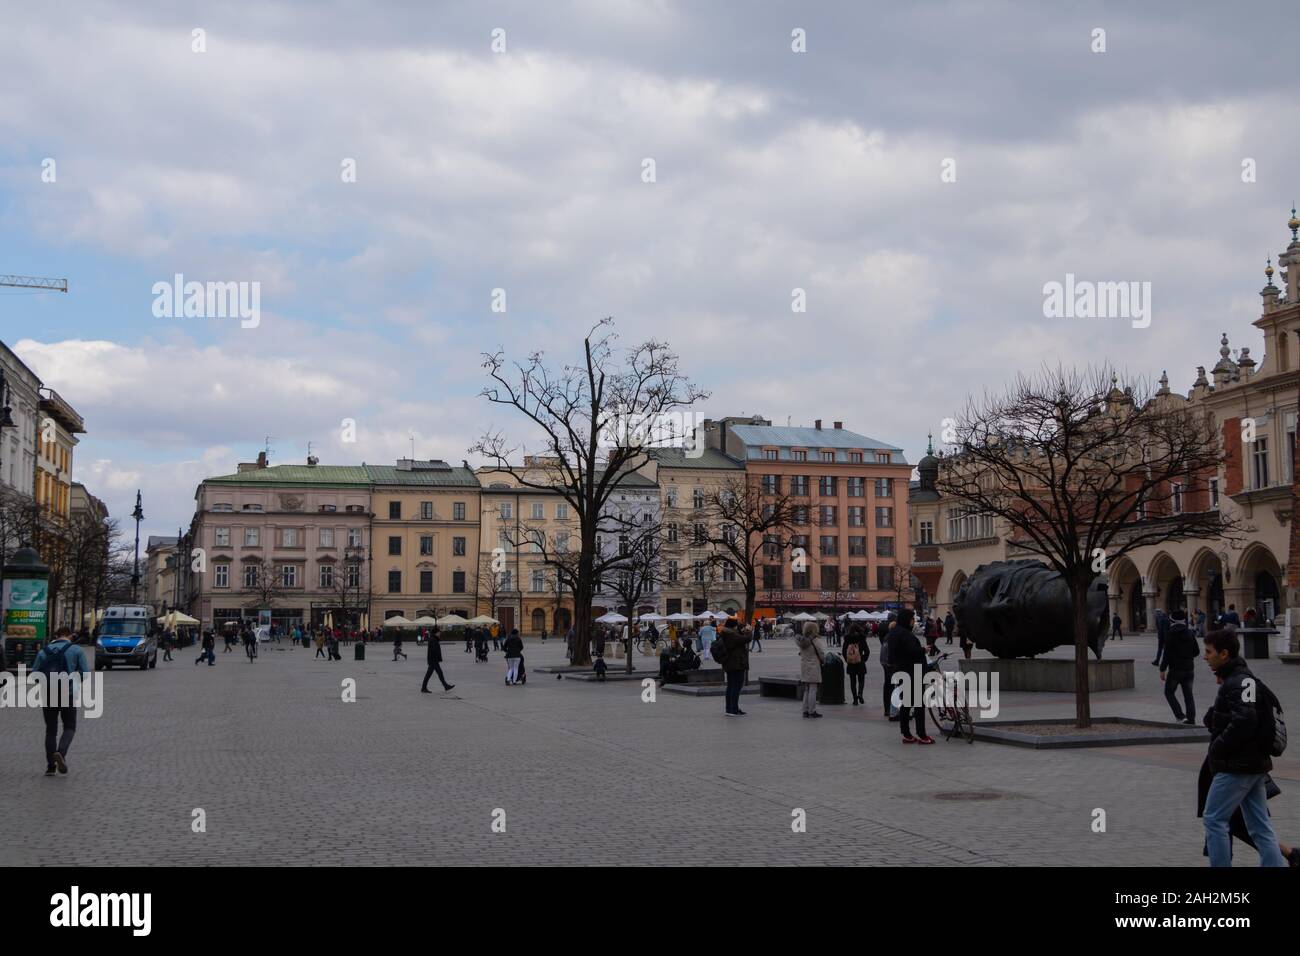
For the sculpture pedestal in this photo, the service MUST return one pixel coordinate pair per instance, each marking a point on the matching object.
(1050, 674)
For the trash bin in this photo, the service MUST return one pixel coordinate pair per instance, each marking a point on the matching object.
(359, 654)
(831, 690)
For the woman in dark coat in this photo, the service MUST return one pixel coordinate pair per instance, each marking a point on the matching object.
(855, 645)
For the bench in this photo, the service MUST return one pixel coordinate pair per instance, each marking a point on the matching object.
(702, 675)
(779, 687)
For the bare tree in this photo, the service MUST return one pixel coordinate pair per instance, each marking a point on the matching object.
(491, 583)
(745, 522)
(1083, 472)
(637, 572)
(348, 587)
(594, 423)
(265, 588)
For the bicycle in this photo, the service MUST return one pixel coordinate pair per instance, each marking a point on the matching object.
(952, 715)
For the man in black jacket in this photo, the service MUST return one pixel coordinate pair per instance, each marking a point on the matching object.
(1178, 666)
(905, 654)
(435, 663)
(1239, 760)
(735, 661)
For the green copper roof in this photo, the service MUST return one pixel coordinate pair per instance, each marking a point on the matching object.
(347, 475)
(448, 477)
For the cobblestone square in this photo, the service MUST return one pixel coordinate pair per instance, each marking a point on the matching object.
(287, 773)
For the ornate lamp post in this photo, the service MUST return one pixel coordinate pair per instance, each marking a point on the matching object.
(6, 419)
(138, 515)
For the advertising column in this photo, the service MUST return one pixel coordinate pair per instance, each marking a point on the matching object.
(25, 600)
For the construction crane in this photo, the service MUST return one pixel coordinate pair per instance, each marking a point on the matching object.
(35, 282)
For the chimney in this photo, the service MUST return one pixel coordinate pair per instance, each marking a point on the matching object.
(261, 459)
(818, 424)
(839, 425)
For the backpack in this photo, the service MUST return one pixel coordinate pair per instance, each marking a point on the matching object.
(852, 653)
(1271, 732)
(718, 650)
(55, 661)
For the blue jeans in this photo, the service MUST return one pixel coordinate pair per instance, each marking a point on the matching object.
(1227, 792)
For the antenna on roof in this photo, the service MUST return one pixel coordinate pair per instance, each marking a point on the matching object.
(269, 439)
(412, 444)
(787, 421)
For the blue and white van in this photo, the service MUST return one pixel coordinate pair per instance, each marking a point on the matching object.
(125, 637)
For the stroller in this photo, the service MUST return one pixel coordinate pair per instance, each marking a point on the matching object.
(480, 650)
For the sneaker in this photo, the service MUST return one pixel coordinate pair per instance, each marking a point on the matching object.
(814, 715)
(425, 690)
(807, 715)
(732, 713)
(741, 712)
(927, 739)
(909, 739)
(49, 771)
(1190, 722)
(448, 687)
(60, 762)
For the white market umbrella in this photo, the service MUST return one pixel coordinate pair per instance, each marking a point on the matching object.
(680, 616)
(652, 617)
(397, 621)
(481, 619)
(613, 617)
(452, 620)
(173, 618)
(425, 621)
(802, 616)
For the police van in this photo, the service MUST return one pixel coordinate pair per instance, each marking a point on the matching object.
(124, 637)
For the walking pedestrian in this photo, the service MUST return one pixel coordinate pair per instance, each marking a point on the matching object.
(1116, 627)
(949, 625)
(570, 643)
(811, 654)
(755, 641)
(60, 657)
(397, 646)
(514, 650)
(168, 638)
(207, 649)
(434, 658)
(1200, 623)
(1237, 757)
(320, 644)
(496, 637)
(708, 634)
(908, 657)
(735, 662)
(1178, 668)
(856, 655)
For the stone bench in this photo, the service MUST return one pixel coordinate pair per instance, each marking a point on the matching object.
(701, 675)
(779, 687)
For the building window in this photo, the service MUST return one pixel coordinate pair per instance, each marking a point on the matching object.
(770, 454)
(857, 487)
(252, 507)
(828, 456)
(458, 511)
(828, 516)
(458, 582)
(672, 572)
(458, 547)
(217, 507)
(883, 457)
(426, 510)
(799, 455)
(885, 546)
(857, 546)
(289, 537)
(858, 577)
(507, 580)
(539, 511)
(772, 576)
(326, 575)
(672, 532)
(830, 577)
(426, 582)
(830, 545)
(327, 537)
(394, 544)
(728, 572)
(536, 581)
(1214, 493)
(799, 580)
(221, 575)
(562, 511)
(506, 510)
(697, 498)
(289, 576)
(927, 533)
(826, 486)
(222, 539)
(884, 487)
(857, 516)
(561, 542)
(855, 457)
(771, 484)
(884, 517)
(1259, 462)
(699, 536)
(1177, 496)
(503, 541)
(698, 572)
(354, 576)
(250, 575)
(799, 515)
(672, 497)
(354, 537)
(426, 544)
(799, 486)
(885, 578)
(394, 582)
(395, 510)
(251, 537)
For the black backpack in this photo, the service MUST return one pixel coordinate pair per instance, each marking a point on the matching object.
(1272, 728)
(55, 661)
(718, 650)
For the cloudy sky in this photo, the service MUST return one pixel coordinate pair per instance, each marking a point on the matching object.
(522, 170)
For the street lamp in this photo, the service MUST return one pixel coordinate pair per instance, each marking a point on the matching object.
(6, 419)
(138, 515)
